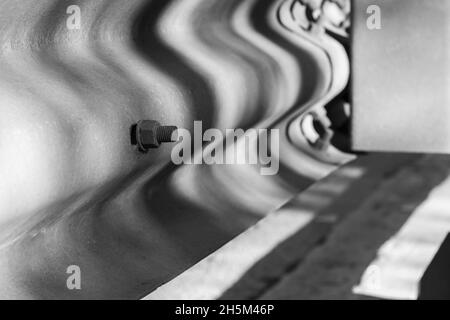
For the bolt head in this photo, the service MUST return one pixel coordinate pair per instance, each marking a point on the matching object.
(146, 137)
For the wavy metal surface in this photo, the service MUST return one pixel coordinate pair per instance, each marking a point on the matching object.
(74, 191)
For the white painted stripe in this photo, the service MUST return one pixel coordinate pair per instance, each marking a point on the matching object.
(215, 274)
(403, 259)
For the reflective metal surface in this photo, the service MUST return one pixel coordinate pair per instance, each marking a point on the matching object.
(73, 189)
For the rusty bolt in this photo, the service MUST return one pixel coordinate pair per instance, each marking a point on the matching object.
(149, 134)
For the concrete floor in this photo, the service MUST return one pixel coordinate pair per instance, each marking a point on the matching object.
(367, 231)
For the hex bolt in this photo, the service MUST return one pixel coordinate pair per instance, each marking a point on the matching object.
(149, 134)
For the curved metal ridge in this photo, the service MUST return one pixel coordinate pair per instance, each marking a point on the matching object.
(74, 191)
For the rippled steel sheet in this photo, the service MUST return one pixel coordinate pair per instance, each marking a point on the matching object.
(75, 192)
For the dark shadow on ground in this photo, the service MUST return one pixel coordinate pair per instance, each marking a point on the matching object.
(327, 258)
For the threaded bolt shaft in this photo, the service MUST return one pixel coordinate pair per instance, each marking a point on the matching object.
(164, 133)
